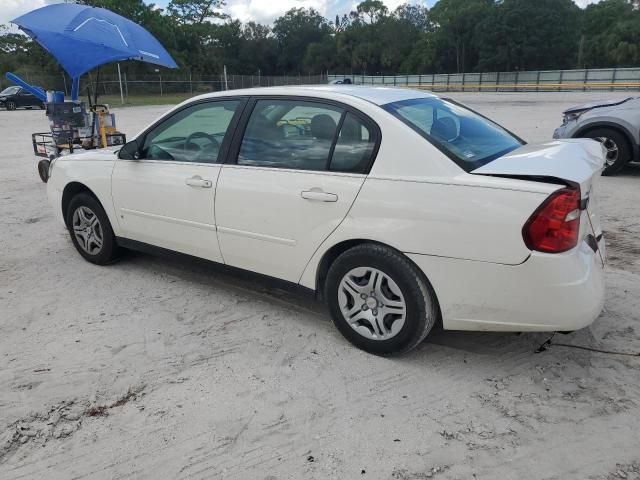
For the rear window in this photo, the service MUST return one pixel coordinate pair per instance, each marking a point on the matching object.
(467, 138)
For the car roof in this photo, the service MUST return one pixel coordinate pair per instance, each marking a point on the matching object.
(375, 95)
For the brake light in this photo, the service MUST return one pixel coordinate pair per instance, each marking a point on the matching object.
(555, 225)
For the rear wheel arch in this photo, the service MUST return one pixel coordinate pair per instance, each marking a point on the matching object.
(329, 257)
(339, 248)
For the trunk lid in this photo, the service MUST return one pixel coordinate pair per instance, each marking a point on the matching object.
(575, 162)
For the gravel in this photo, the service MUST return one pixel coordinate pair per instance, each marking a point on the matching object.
(236, 379)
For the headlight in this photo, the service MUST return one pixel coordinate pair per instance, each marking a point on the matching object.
(571, 116)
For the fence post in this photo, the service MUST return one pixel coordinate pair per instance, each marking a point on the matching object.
(448, 74)
(560, 82)
(497, 81)
(586, 76)
(613, 79)
(538, 81)
(515, 83)
(463, 80)
(480, 84)
(126, 87)
(433, 81)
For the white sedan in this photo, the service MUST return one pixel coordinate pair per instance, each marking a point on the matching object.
(399, 208)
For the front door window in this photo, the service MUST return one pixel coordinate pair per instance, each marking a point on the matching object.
(194, 134)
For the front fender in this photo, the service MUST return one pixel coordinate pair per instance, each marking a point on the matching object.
(93, 171)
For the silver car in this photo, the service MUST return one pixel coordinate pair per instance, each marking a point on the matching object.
(615, 123)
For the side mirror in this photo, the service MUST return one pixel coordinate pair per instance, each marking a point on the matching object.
(130, 151)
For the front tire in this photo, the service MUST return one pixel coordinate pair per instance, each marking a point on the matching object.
(618, 149)
(379, 300)
(90, 230)
(11, 106)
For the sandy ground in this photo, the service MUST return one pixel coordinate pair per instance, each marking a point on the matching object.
(161, 369)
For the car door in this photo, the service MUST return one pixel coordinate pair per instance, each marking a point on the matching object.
(18, 98)
(165, 197)
(27, 99)
(296, 171)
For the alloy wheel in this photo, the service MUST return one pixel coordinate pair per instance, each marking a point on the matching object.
(372, 303)
(87, 230)
(11, 106)
(612, 150)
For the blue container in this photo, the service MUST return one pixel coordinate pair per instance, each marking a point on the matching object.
(58, 97)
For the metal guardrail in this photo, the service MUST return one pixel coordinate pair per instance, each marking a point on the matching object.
(525, 81)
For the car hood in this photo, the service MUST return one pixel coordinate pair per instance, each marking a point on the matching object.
(96, 155)
(599, 104)
(574, 161)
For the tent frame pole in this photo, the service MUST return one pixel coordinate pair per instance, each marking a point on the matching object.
(120, 80)
(75, 88)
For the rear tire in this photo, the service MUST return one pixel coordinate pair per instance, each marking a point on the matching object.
(618, 148)
(379, 300)
(90, 230)
(43, 170)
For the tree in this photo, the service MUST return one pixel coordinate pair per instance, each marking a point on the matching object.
(295, 31)
(414, 15)
(524, 35)
(609, 30)
(371, 11)
(452, 36)
(196, 11)
(455, 31)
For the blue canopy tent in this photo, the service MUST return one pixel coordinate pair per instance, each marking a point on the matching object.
(82, 38)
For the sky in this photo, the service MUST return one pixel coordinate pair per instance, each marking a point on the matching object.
(262, 11)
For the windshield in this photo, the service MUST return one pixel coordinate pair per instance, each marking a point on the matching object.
(467, 138)
(10, 91)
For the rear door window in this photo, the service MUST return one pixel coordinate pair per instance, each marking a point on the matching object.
(294, 134)
(354, 147)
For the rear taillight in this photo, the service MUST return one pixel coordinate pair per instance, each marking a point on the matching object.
(555, 225)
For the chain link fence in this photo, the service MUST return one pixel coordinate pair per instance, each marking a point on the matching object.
(188, 85)
(159, 85)
(526, 81)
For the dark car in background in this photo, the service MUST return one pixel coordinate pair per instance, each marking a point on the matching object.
(15, 97)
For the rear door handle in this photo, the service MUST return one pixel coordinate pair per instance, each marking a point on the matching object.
(198, 181)
(318, 195)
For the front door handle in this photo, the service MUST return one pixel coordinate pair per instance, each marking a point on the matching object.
(318, 195)
(198, 181)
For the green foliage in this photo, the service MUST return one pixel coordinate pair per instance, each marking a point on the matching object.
(611, 32)
(295, 31)
(525, 35)
(453, 36)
